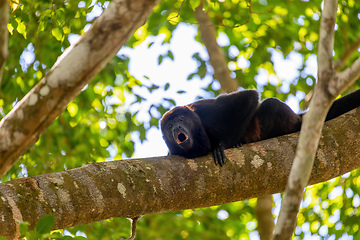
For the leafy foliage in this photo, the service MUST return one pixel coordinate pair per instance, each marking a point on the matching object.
(42, 230)
(101, 123)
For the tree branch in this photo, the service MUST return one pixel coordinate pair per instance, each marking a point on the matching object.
(75, 68)
(216, 55)
(4, 20)
(134, 187)
(264, 216)
(347, 77)
(311, 127)
(326, 38)
(348, 52)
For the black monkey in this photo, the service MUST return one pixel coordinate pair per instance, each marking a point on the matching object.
(231, 120)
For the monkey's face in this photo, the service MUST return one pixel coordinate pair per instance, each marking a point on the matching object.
(178, 131)
(184, 134)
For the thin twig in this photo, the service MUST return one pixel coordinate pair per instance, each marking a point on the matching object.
(133, 228)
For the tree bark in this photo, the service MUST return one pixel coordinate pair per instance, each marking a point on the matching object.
(4, 20)
(264, 216)
(75, 68)
(134, 187)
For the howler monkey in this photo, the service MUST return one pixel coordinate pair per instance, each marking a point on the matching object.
(231, 120)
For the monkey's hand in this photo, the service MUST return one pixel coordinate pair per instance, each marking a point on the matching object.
(219, 155)
(237, 145)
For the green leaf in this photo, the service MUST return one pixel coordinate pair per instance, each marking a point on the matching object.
(191, 76)
(194, 4)
(32, 235)
(170, 100)
(202, 70)
(170, 55)
(57, 33)
(24, 227)
(21, 28)
(45, 224)
(160, 59)
(153, 87)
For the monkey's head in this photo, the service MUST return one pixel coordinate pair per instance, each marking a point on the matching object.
(183, 133)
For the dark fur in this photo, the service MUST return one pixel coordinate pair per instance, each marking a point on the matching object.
(231, 120)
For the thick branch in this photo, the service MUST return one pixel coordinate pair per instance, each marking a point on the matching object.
(217, 57)
(4, 20)
(21, 128)
(135, 187)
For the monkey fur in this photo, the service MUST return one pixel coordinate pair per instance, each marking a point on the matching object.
(231, 120)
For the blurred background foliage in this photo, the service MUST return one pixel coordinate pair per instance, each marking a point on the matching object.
(115, 112)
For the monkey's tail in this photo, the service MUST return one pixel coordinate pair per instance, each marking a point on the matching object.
(344, 104)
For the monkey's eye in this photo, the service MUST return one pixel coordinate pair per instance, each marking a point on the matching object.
(169, 126)
(181, 118)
